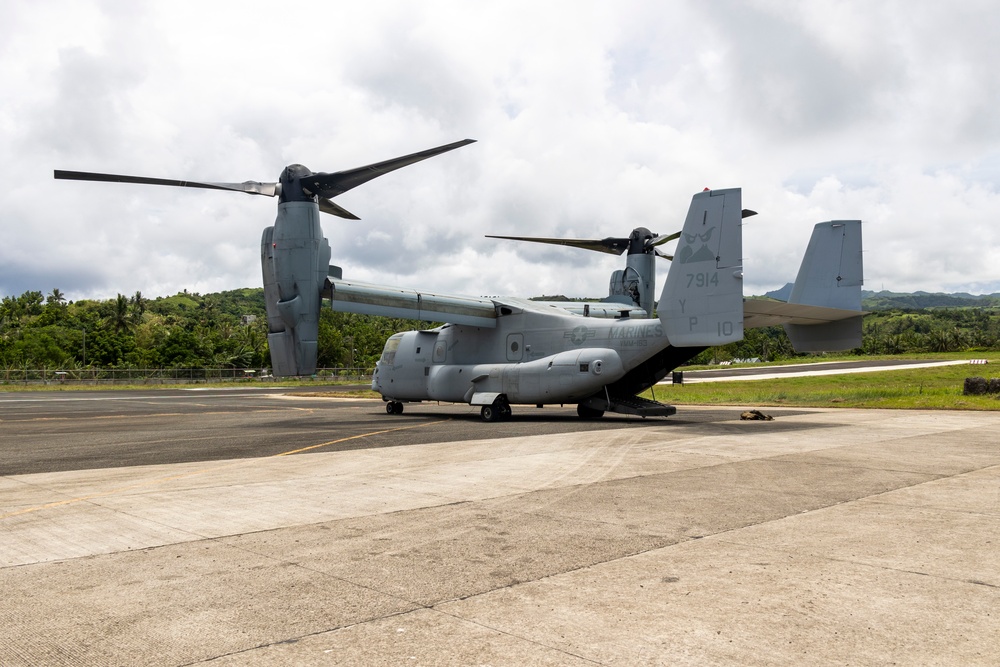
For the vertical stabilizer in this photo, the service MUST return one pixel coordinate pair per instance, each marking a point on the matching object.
(831, 275)
(702, 300)
(831, 270)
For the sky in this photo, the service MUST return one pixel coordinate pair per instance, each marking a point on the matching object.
(591, 119)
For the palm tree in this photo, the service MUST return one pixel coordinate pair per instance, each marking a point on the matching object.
(138, 303)
(120, 317)
(56, 297)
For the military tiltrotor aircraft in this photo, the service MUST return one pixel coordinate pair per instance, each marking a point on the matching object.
(493, 352)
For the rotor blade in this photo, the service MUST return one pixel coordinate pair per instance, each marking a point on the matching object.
(613, 246)
(249, 187)
(339, 182)
(327, 206)
(660, 253)
(658, 240)
(747, 213)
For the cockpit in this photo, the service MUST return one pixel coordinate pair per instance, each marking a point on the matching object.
(389, 351)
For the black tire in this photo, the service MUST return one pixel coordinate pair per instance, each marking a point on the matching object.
(398, 408)
(588, 413)
(390, 408)
(489, 413)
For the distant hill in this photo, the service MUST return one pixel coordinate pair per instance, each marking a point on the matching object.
(781, 294)
(886, 300)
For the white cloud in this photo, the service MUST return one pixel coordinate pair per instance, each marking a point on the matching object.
(591, 120)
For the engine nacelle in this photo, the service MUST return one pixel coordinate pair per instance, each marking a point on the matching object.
(294, 261)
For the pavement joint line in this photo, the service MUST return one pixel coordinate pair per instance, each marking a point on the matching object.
(293, 640)
(936, 508)
(202, 471)
(500, 631)
(785, 458)
(848, 561)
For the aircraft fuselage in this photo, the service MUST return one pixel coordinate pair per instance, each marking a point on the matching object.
(528, 358)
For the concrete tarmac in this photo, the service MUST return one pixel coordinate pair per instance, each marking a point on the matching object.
(823, 537)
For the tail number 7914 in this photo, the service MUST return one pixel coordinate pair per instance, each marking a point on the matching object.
(704, 279)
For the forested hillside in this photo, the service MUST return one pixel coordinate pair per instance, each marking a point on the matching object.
(886, 300)
(187, 330)
(229, 330)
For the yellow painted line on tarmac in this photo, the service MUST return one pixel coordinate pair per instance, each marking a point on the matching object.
(362, 435)
(194, 473)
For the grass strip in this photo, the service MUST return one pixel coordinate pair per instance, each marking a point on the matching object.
(938, 388)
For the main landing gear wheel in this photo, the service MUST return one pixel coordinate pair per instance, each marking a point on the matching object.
(394, 408)
(498, 411)
(588, 413)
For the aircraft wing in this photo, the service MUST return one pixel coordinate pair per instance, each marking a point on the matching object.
(596, 309)
(763, 313)
(368, 299)
(602, 309)
(351, 296)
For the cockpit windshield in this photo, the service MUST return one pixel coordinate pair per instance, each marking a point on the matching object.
(389, 351)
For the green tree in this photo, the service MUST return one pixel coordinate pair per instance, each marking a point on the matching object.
(121, 321)
(179, 349)
(137, 307)
(31, 303)
(56, 297)
(107, 347)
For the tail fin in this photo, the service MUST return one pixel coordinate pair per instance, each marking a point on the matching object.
(702, 300)
(831, 276)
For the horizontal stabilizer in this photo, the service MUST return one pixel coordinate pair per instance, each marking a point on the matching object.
(765, 313)
(839, 335)
(809, 328)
